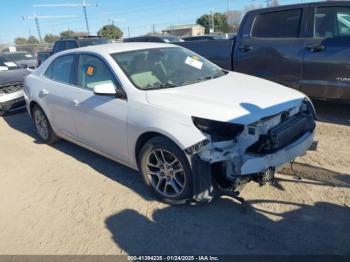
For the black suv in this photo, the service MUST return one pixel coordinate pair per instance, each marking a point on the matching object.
(70, 43)
(75, 42)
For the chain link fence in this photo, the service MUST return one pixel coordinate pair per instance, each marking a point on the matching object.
(33, 49)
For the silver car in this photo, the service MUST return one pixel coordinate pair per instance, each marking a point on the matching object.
(191, 128)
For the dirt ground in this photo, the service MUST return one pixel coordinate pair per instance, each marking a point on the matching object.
(67, 200)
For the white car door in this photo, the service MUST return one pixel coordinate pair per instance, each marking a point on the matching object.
(57, 92)
(101, 120)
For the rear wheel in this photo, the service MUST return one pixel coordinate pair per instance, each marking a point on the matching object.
(166, 170)
(43, 126)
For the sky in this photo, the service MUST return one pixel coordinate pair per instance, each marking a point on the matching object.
(134, 17)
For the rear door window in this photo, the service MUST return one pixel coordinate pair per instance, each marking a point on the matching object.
(59, 46)
(281, 24)
(71, 45)
(61, 69)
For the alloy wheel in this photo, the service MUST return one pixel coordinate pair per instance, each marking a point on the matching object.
(165, 173)
(41, 124)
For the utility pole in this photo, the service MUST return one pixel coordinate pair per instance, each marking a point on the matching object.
(212, 22)
(83, 4)
(153, 29)
(86, 18)
(128, 31)
(36, 19)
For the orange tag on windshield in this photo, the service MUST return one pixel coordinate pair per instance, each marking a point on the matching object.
(90, 71)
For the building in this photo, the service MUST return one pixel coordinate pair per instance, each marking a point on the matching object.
(184, 30)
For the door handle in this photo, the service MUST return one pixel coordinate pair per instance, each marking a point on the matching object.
(316, 48)
(43, 93)
(75, 103)
(246, 48)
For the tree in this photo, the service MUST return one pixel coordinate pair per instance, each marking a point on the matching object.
(50, 38)
(220, 23)
(70, 33)
(21, 41)
(233, 18)
(67, 33)
(110, 32)
(33, 40)
(274, 3)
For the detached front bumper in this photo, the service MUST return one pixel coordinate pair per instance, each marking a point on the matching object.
(255, 163)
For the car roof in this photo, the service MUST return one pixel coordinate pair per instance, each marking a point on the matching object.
(118, 47)
(300, 5)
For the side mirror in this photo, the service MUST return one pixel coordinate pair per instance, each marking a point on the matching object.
(105, 89)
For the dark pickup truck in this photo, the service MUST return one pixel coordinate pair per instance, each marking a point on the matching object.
(302, 46)
(70, 43)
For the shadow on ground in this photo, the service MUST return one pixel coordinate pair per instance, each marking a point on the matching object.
(222, 227)
(317, 175)
(104, 166)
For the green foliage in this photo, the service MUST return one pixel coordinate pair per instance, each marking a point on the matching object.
(21, 41)
(220, 23)
(32, 40)
(50, 38)
(67, 33)
(110, 32)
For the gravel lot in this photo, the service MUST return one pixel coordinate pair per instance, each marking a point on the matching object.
(67, 200)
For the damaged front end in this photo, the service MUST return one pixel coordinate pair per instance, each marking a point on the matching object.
(11, 97)
(233, 154)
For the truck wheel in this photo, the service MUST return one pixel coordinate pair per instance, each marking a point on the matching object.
(166, 171)
(43, 126)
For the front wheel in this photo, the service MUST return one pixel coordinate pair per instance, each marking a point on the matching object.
(43, 126)
(166, 171)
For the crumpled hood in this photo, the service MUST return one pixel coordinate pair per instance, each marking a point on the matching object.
(235, 97)
(12, 76)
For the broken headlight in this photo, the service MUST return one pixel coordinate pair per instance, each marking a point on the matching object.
(219, 131)
(308, 107)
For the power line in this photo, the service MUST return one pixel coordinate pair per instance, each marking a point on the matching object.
(84, 5)
(36, 19)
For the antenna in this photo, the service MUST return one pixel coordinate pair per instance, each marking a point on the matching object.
(83, 4)
(36, 19)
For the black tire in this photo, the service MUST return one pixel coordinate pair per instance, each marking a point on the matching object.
(177, 179)
(50, 137)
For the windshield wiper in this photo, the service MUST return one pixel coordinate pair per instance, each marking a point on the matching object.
(164, 85)
(200, 79)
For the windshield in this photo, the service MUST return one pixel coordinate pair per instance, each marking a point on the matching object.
(165, 67)
(92, 41)
(17, 56)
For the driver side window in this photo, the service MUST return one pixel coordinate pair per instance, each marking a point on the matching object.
(92, 71)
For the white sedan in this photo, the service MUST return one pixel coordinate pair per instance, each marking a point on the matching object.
(189, 127)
